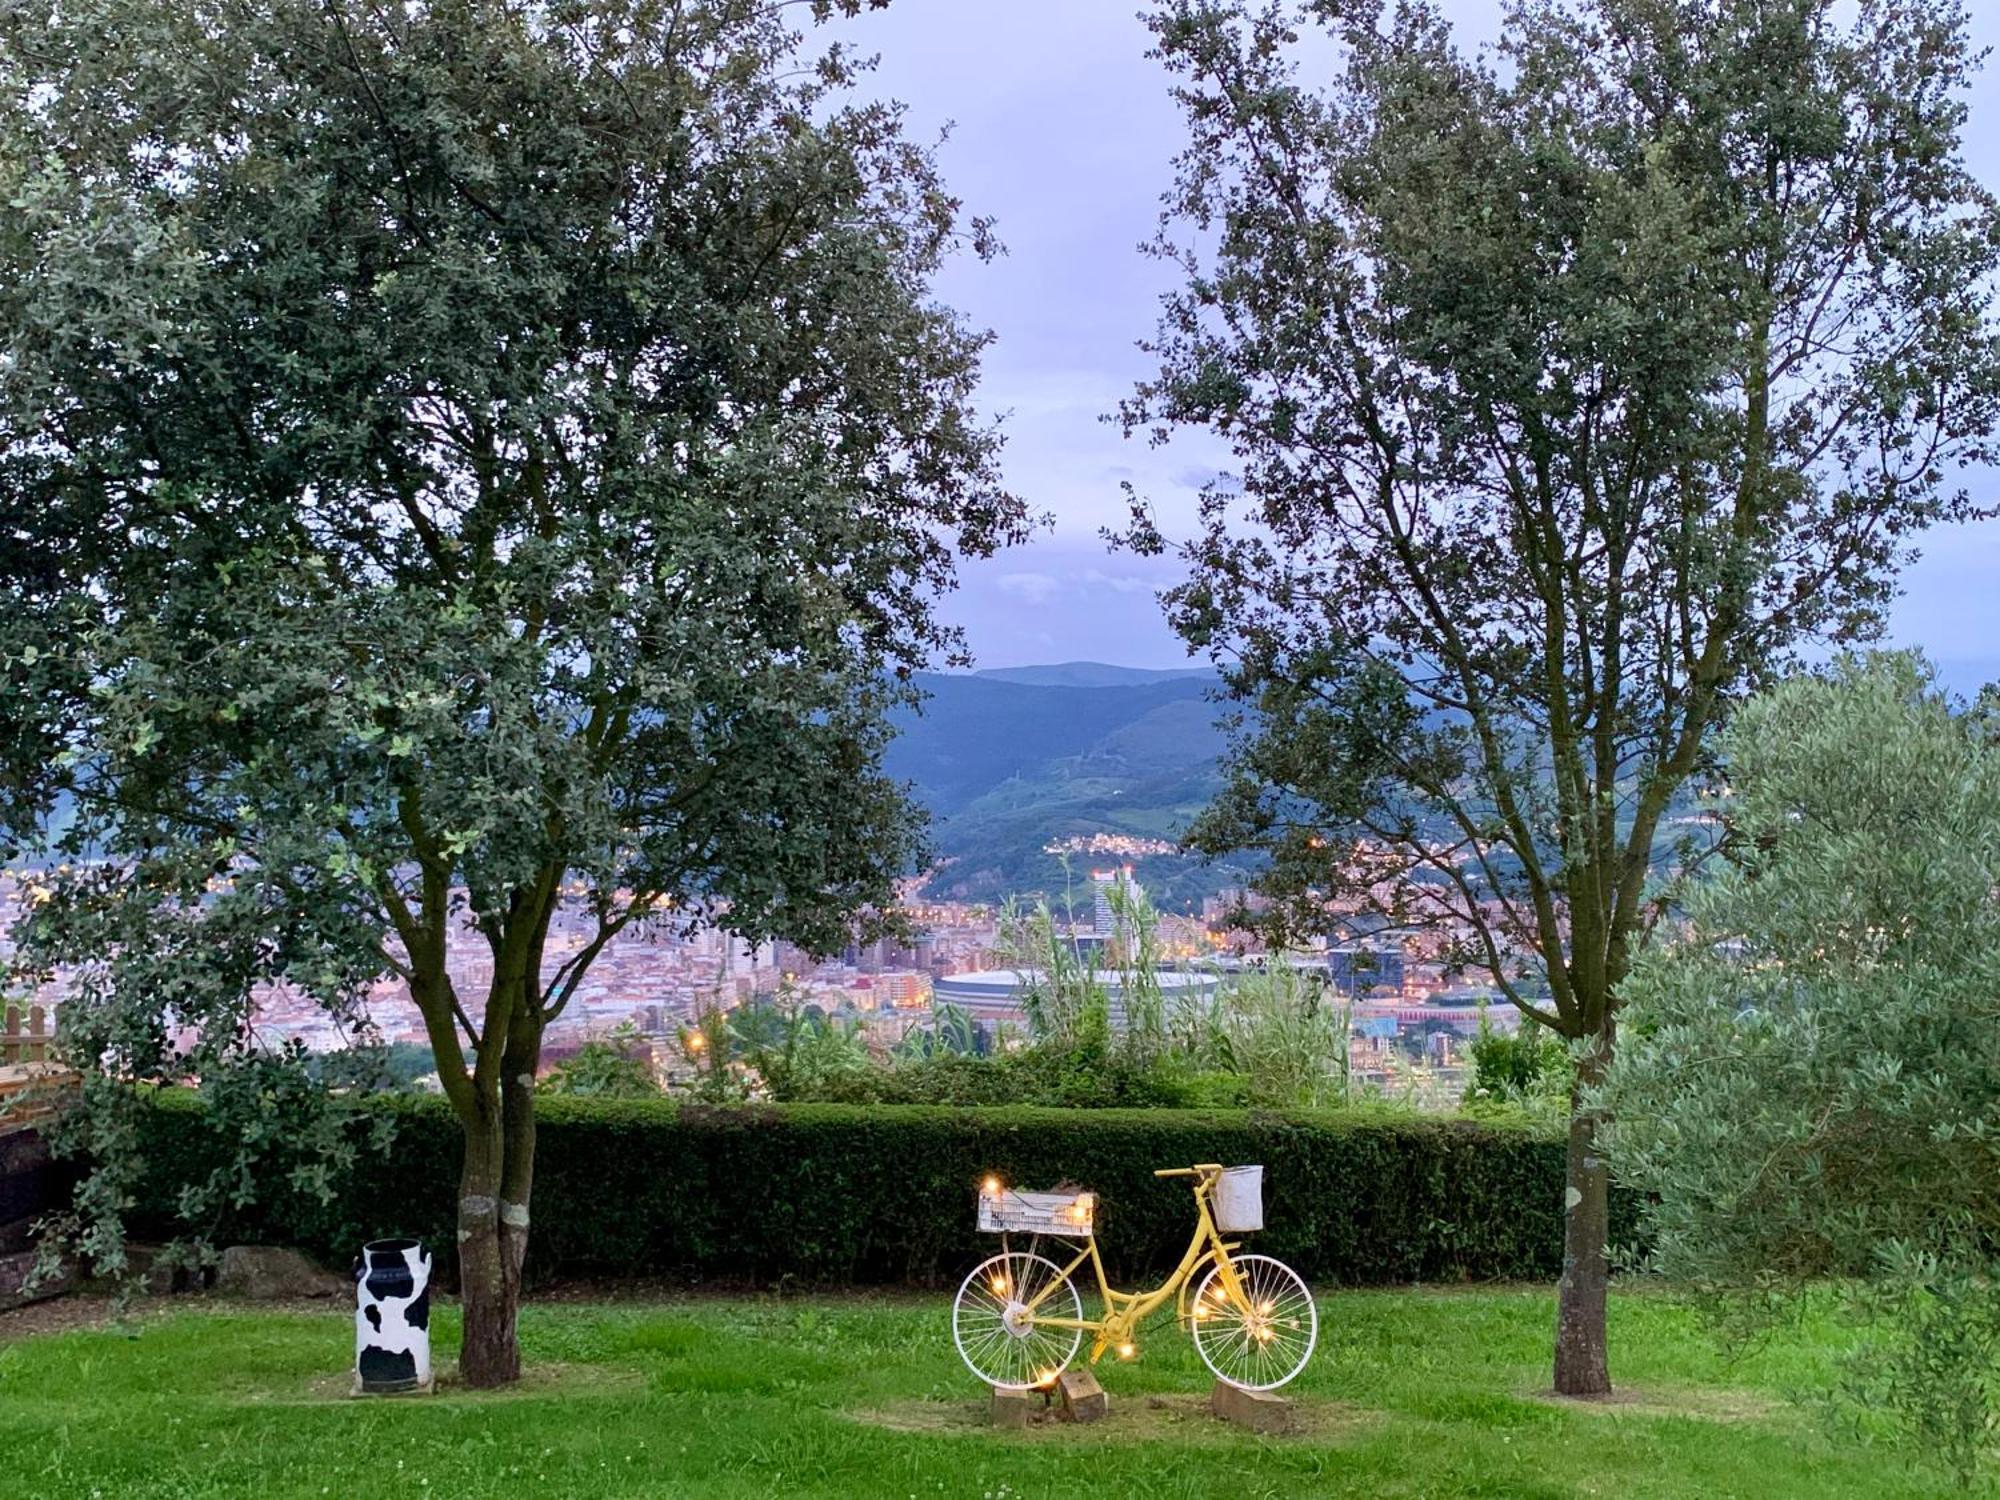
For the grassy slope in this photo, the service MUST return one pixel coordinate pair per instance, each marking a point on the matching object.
(1414, 1394)
(1007, 766)
(973, 734)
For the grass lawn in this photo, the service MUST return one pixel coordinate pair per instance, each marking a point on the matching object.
(1411, 1394)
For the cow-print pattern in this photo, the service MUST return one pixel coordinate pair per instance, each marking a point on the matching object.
(392, 1320)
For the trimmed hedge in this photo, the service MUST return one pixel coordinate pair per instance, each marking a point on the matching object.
(824, 1194)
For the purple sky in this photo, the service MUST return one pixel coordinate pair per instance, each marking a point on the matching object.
(1064, 133)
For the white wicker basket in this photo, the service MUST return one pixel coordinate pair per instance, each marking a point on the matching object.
(1238, 1200)
(1069, 1215)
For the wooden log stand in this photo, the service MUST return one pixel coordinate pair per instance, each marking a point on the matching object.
(1083, 1399)
(1016, 1409)
(1257, 1410)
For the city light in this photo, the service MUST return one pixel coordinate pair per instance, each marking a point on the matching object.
(1409, 1017)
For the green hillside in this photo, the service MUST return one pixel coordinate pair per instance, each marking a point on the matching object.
(1008, 766)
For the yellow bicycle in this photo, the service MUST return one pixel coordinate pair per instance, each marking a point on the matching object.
(1018, 1318)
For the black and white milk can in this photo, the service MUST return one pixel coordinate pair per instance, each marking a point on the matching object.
(392, 1318)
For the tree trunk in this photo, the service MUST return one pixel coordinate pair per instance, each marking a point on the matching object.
(1582, 1365)
(493, 1217)
(489, 1352)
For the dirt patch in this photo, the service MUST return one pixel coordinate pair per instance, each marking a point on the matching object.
(537, 1381)
(1715, 1405)
(56, 1315)
(84, 1310)
(1128, 1419)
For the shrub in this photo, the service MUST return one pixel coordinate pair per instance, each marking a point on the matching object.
(616, 1067)
(882, 1195)
(1046, 1075)
(1532, 1066)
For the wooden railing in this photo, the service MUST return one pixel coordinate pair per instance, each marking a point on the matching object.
(25, 1034)
(32, 1082)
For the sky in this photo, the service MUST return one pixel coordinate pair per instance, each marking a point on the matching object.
(1062, 130)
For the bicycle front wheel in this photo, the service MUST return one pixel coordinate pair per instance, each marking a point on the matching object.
(1000, 1339)
(1262, 1341)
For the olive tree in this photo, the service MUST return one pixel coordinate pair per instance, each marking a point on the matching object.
(460, 460)
(1811, 1073)
(1569, 391)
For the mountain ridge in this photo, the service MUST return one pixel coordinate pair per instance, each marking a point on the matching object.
(1007, 767)
(1087, 674)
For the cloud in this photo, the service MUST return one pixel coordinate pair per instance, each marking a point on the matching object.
(1123, 583)
(1197, 477)
(1066, 133)
(1036, 588)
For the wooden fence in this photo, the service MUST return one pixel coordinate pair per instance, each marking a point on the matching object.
(25, 1034)
(32, 1082)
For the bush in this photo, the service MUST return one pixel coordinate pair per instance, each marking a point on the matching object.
(616, 1067)
(1530, 1067)
(822, 1194)
(1042, 1075)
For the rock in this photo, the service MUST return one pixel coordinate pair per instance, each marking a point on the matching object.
(16, 1268)
(1083, 1399)
(266, 1273)
(149, 1272)
(1259, 1411)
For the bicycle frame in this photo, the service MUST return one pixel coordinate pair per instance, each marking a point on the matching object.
(1125, 1311)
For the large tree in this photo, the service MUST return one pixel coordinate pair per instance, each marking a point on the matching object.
(1569, 391)
(1808, 1089)
(460, 459)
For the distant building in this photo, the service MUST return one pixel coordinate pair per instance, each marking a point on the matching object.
(904, 989)
(999, 995)
(793, 960)
(1110, 885)
(1356, 970)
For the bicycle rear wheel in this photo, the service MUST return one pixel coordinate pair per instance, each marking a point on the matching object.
(1263, 1341)
(1000, 1340)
